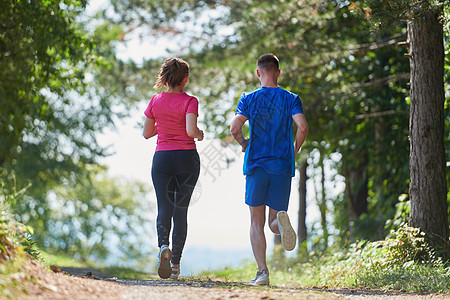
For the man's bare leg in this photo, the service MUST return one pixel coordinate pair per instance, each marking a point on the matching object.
(273, 221)
(257, 237)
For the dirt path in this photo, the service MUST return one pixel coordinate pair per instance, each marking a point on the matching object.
(89, 284)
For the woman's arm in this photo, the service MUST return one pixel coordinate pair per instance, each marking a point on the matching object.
(191, 127)
(150, 128)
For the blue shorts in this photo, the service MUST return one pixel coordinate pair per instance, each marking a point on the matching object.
(262, 188)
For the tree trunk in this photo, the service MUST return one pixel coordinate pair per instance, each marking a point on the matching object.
(428, 187)
(301, 229)
(356, 187)
(277, 239)
(279, 254)
(323, 204)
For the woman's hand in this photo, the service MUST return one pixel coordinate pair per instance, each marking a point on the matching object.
(202, 135)
(150, 128)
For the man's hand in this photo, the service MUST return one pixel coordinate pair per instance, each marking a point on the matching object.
(302, 131)
(236, 130)
(245, 144)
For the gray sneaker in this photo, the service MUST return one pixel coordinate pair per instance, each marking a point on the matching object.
(164, 268)
(261, 278)
(288, 236)
(175, 272)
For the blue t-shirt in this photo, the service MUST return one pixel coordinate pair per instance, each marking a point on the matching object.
(271, 147)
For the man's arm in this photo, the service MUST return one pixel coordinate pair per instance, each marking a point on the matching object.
(302, 131)
(236, 130)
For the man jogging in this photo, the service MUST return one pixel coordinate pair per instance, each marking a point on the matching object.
(269, 162)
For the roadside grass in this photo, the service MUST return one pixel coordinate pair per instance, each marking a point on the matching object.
(12, 278)
(402, 262)
(15, 249)
(62, 260)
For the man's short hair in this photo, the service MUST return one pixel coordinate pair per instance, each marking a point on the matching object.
(268, 62)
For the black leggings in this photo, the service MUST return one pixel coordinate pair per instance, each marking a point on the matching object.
(174, 175)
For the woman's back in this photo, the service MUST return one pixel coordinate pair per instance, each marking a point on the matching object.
(169, 110)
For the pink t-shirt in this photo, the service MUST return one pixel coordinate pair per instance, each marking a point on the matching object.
(169, 112)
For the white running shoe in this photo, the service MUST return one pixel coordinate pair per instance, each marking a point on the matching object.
(164, 268)
(261, 278)
(288, 236)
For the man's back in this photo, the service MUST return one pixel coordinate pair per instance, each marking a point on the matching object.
(269, 111)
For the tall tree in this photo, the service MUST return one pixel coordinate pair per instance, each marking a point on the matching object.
(302, 232)
(60, 86)
(43, 53)
(428, 185)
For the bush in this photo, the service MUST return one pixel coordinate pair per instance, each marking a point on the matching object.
(402, 262)
(14, 236)
(15, 243)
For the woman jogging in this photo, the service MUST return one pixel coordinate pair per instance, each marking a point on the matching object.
(172, 115)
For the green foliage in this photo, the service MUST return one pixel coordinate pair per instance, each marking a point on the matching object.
(385, 13)
(404, 247)
(15, 243)
(14, 236)
(402, 210)
(402, 262)
(46, 131)
(353, 84)
(98, 218)
(43, 52)
(60, 86)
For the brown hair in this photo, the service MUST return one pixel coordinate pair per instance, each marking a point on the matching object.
(268, 62)
(172, 72)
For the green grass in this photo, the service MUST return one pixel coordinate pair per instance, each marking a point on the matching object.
(62, 260)
(12, 278)
(332, 271)
(402, 262)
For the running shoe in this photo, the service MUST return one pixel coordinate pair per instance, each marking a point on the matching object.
(261, 278)
(288, 236)
(175, 272)
(164, 268)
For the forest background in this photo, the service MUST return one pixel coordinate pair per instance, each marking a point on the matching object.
(63, 83)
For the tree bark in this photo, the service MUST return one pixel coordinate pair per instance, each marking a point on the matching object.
(277, 239)
(356, 187)
(279, 254)
(323, 204)
(428, 186)
(301, 228)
